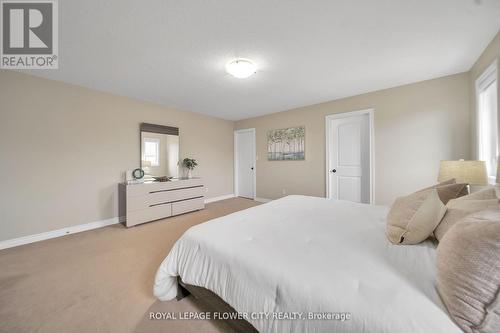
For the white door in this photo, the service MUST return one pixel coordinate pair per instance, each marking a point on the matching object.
(348, 157)
(244, 141)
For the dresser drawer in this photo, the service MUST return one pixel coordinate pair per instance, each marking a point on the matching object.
(137, 203)
(185, 206)
(148, 214)
(175, 195)
(142, 202)
(143, 189)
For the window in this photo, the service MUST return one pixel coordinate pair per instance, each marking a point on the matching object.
(487, 120)
(152, 151)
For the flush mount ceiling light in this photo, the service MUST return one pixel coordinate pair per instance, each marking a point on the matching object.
(241, 68)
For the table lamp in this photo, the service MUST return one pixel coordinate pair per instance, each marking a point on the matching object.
(470, 172)
(498, 173)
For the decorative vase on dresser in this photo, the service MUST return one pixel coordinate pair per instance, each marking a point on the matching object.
(151, 201)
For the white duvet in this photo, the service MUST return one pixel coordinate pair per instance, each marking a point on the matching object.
(300, 256)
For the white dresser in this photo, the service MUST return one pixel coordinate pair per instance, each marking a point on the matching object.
(140, 203)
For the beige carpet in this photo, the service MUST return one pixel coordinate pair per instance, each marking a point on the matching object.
(99, 280)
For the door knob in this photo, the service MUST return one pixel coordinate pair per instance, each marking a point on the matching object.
(251, 168)
(334, 170)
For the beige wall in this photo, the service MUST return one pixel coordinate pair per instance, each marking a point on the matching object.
(64, 148)
(416, 126)
(490, 54)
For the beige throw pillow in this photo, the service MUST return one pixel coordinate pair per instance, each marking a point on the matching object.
(461, 207)
(486, 194)
(413, 218)
(452, 191)
(468, 272)
(446, 182)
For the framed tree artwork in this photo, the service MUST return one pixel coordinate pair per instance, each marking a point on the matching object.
(287, 144)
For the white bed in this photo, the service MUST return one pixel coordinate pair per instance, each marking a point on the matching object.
(307, 254)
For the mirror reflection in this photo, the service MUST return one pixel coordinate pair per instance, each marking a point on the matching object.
(159, 154)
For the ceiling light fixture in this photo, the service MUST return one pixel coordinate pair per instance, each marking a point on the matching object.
(241, 68)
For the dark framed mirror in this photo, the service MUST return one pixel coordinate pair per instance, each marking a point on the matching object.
(159, 150)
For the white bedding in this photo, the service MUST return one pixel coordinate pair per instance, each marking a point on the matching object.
(307, 254)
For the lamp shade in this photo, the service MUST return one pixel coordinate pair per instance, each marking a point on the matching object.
(471, 172)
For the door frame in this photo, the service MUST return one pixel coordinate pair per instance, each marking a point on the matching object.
(371, 136)
(236, 175)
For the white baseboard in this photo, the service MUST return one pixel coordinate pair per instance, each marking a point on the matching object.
(57, 233)
(219, 198)
(88, 226)
(229, 196)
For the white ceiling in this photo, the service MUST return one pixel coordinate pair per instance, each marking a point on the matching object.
(173, 52)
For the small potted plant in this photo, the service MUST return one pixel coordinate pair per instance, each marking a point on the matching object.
(189, 164)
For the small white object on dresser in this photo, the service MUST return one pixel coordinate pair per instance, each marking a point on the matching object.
(149, 201)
